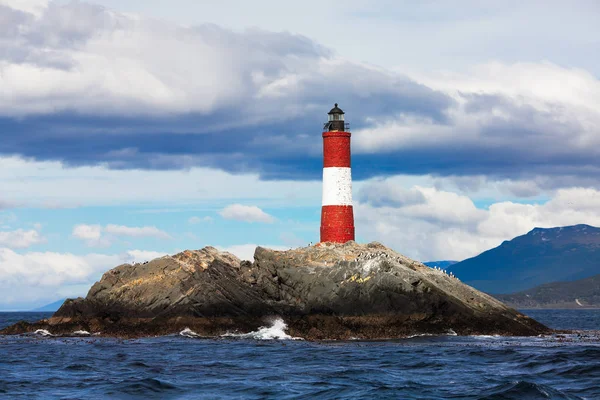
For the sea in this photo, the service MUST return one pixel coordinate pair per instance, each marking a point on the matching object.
(269, 364)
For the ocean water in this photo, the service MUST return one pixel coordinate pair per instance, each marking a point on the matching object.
(270, 364)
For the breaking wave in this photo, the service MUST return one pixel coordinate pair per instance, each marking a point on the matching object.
(274, 332)
(187, 332)
(42, 332)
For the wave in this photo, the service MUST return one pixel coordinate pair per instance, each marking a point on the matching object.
(449, 332)
(81, 333)
(187, 332)
(42, 332)
(274, 332)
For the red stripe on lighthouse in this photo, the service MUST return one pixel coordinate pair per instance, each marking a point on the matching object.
(337, 224)
(337, 214)
(336, 149)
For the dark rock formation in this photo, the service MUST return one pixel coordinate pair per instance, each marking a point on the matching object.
(326, 291)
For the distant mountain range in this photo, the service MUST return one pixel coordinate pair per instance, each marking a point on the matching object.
(541, 256)
(441, 264)
(584, 293)
(52, 306)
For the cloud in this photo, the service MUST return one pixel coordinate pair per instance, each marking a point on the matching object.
(84, 74)
(547, 124)
(384, 193)
(87, 232)
(20, 239)
(34, 7)
(92, 235)
(199, 220)
(135, 93)
(145, 231)
(243, 213)
(449, 226)
(103, 236)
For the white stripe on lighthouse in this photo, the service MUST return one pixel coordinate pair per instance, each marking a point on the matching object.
(337, 186)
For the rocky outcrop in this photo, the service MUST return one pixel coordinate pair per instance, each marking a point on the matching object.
(327, 291)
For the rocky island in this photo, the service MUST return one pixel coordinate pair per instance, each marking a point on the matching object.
(326, 291)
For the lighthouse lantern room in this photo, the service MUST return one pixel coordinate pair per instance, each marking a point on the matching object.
(337, 215)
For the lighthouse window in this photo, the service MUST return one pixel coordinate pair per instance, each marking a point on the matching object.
(336, 117)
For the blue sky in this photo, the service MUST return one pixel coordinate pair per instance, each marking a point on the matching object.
(131, 129)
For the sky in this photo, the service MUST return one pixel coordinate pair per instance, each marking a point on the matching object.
(131, 129)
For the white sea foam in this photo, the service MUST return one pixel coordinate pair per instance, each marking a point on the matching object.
(274, 332)
(43, 332)
(81, 333)
(187, 332)
(449, 332)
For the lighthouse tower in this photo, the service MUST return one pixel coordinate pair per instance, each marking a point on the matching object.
(337, 215)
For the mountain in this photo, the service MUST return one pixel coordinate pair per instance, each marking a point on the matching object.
(541, 256)
(52, 306)
(441, 264)
(584, 293)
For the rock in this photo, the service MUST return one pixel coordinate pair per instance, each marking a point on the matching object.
(326, 291)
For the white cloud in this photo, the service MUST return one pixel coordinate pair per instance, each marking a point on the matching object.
(35, 7)
(244, 213)
(144, 231)
(92, 234)
(449, 226)
(199, 220)
(20, 239)
(476, 30)
(97, 60)
(99, 236)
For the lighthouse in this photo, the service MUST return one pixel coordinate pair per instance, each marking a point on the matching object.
(337, 215)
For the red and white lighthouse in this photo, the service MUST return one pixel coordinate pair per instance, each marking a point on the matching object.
(337, 215)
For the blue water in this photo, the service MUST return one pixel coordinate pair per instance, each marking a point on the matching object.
(178, 367)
